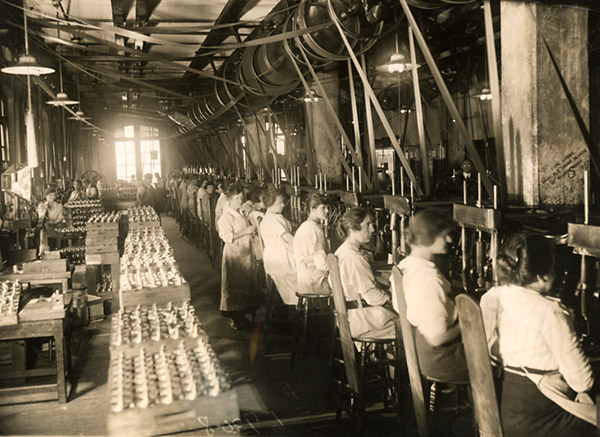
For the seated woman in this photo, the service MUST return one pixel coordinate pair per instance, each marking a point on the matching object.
(50, 214)
(429, 306)
(78, 193)
(530, 334)
(238, 294)
(278, 254)
(366, 314)
(310, 249)
(91, 192)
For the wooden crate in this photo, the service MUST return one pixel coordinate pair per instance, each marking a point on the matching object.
(45, 266)
(102, 226)
(102, 233)
(102, 258)
(100, 247)
(159, 295)
(179, 416)
(9, 319)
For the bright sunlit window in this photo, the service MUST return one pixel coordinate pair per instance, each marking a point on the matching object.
(150, 149)
(125, 151)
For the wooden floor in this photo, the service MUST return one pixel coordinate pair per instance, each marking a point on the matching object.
(274, 400)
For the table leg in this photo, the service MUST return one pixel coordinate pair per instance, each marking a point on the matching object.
(60, 365)
(65, 285)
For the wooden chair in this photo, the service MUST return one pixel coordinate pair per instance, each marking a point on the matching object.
(357, 383)
(480, 369)
(412, 361)
(410, 352)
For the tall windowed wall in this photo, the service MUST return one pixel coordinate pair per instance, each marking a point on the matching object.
(137, 150)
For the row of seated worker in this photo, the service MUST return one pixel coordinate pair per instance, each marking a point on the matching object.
(530, 334)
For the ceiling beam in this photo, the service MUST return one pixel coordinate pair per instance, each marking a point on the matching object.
(231, 13)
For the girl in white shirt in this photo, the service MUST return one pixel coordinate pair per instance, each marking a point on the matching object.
(278, 254)
(310, 249)
(429, 305)
(531, 334)
(237, 285)
(365, 301)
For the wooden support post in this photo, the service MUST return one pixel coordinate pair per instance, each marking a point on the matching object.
(496, 103)
(420, 118)
(439, 80)
(376, 104)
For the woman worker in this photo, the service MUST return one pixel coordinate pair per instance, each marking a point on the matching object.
(429, 306)
(237, 286)
(531, 334)
(310, 249)
(278, 254)
(50, 213)
(367, 315)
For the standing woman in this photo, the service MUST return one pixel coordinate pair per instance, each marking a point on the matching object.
(430, 307)
(278, 255)
(364, 299)
(531, 334)
(310, 249)
(237, 286)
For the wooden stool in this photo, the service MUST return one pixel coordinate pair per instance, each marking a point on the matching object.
(315, 306)
(277, 315)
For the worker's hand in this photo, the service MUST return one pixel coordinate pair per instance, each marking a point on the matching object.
(251, 229)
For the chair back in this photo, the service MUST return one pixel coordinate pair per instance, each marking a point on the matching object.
(410, 352)
(480, 369)
(341, 313)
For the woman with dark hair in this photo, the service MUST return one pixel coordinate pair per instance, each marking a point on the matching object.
(237, 285)
(366, 314)
(278, 254)
(429, 306)
(78, 193)
(310, 249)
(531, 334)
(91, 192)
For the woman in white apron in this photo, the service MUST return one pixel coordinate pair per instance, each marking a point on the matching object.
(531, 334)
(238, 294)
(310, 249)
(365, 301)
(278, 255)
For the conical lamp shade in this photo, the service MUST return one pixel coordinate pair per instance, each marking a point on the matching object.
(79, 115)
(27, 65)
(62, 100)
(397, 64)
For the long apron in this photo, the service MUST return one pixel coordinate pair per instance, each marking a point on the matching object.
(237, 284)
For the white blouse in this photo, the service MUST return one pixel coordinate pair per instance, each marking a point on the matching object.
(310, 252)
(527, 329)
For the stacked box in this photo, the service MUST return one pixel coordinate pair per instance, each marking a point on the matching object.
(102, 233)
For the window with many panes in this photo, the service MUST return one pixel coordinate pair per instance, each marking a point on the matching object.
(150, 149)
(125, 153)
(125, 150)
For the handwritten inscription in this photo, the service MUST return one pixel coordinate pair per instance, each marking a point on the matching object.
(236, 425)
(567, 168)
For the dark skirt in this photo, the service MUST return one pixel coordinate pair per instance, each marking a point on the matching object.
(525, 411)
(445, 363)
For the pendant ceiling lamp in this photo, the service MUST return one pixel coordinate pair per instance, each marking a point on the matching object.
(79, 115)
(62, 99)
(397, 63)
(311, 96)
(27, 64)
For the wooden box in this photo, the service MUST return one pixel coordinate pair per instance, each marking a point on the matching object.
(159, 295)
(78, 278)
(95, 308)
(102, 226)
(102, 258)
(45, 266)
